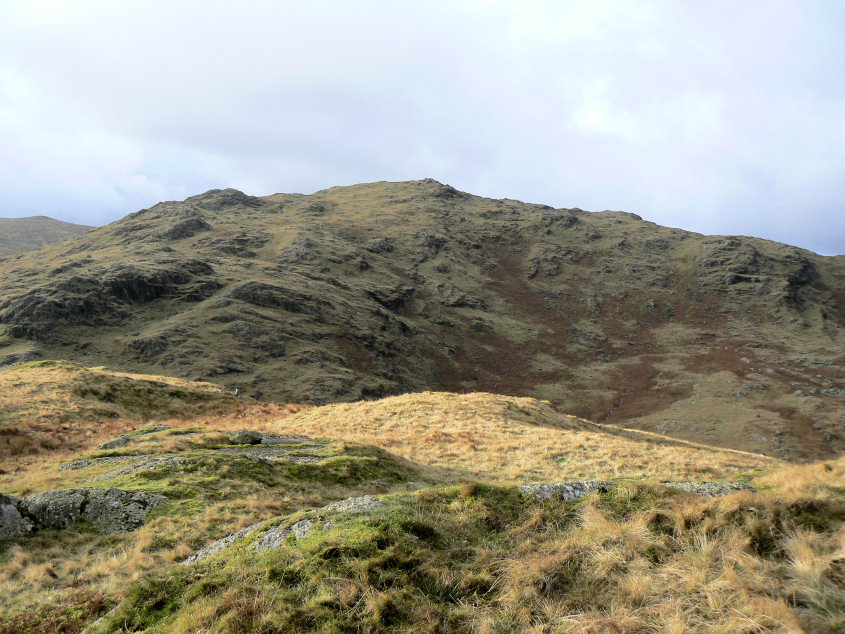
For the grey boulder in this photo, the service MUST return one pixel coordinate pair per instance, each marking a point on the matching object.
(12, 523)
(110, 510)
(246, 437)
(565, 491)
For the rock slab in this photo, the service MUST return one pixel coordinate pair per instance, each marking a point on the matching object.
(274, 537)
(565, 491)
(710, 489)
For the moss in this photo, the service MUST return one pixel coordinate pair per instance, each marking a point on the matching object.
(68, 614)
(48, 363)
(151, 601)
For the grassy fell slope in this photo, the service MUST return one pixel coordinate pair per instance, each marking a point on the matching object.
(48, 408)
(386, 288)
(26, 234)
(507, 439)
(455, 547)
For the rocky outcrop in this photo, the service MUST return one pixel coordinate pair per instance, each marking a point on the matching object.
(23, 357)
(568, 491)
(110, 510)
(354, 504)
(274, 537)
(216, 199)
(125, 439)
(270, 296)
(565, 491)
(246, 437)
(222, 544)
(155, 463)
(83, 299)
(710, 489)
(185, 229)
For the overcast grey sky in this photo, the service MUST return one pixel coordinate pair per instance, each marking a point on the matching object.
(720, 117)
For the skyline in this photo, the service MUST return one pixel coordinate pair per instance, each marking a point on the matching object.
(725, 119)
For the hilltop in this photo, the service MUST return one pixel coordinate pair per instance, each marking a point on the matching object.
(386, 288)
(26, 234)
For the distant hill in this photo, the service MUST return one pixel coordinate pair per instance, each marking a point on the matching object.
(386, 288)
(25, 234)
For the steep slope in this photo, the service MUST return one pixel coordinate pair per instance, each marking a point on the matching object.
(386, 288)
(26, 234)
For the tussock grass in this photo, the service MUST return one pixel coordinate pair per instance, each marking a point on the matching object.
(456, 547)
(51, 409)
(478, 558)
(211, 495)
(508, 439)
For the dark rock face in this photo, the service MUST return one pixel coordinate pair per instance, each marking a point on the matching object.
(133, 284)
(392, 298)
(24, 357)
(216, 199)
(36, 313)
(185, 229)
(83, 299)
(269, 296)
(147, 349)
(243, 245)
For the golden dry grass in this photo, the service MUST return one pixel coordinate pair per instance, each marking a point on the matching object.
(52, 410)
(510, 439)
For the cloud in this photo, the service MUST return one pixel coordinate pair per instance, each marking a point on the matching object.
(720, 118)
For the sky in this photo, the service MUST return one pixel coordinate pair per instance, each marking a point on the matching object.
(721, 117)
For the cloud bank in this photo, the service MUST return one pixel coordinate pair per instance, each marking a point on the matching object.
(717, 117)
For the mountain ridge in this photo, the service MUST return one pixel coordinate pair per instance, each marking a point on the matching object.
(383, 288)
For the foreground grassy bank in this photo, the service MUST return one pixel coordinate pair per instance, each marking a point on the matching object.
(451, 543)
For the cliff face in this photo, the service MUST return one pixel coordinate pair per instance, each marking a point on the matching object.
(386, 288)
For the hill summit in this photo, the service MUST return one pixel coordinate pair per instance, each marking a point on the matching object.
(385, 288)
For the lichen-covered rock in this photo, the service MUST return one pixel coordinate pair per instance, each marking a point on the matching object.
(287, 439)
(125, 439)
(55, 509)
(89, 463)
(12, 523)
(155, 463)
(710, 489)
(362, 503)
(565, 491)
(110, 510)
(222, 544)
(271, 457)
(246, 437)
(274, 537)
(115, 443)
